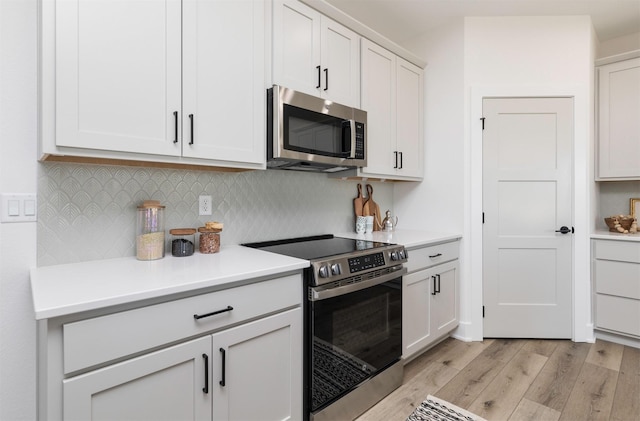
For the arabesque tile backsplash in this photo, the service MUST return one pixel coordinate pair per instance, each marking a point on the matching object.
(88, 212)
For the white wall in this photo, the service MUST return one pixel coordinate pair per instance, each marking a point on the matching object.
(529, 56)
(18, 168)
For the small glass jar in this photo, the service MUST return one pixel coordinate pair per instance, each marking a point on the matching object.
(210, 237)
(182, 241)
(150, 231)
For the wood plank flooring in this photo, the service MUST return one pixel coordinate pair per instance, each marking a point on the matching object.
(521, 380)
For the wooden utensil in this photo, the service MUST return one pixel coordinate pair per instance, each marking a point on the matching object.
(358, 202)
(372, 208)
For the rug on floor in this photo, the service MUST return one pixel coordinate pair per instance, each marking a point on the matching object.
(435, 409)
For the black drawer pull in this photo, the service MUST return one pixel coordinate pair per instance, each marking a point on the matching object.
(175, 118)
(435, 291)
(200, 316)
(435, 255)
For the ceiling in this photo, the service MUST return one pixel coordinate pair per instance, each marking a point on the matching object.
(401, 20)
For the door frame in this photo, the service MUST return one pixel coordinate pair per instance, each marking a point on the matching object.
(583, 171)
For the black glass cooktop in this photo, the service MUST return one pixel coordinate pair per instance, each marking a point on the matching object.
(318, 247)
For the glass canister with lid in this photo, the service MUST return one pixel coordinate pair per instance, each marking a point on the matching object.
(182, 241)
(150, 231)
(210, 237)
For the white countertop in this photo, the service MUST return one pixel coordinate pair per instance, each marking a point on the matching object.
(408, 238)
(607, 235)
(70, 288)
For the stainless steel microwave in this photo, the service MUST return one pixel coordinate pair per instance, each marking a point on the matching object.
(313, 134)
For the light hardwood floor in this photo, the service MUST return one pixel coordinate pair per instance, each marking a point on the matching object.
(518, 379)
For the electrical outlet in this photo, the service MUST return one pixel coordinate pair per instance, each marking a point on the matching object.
(205, 205)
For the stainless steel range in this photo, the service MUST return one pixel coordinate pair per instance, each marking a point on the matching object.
(353, 322)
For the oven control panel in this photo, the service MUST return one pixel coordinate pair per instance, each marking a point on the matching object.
(341, 267)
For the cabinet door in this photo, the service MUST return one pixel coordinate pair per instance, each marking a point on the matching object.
(340, 54)
(224, 80)
(163, 385)
(296, 47)
(619, 125)
(257, 369)
(409, 118)
(416, 320)
(445, 301)
(118, 75)
(379, 101)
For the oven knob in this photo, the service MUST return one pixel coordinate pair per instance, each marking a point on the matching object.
(394, 255)
(402, 254)
(324, 271)
(335, 269)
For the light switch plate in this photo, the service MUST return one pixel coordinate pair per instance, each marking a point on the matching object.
(18, 207)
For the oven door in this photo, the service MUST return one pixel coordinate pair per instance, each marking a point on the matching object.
(352, 335)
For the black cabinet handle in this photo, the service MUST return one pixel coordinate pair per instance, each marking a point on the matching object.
(191, 122)
(205, 389)
(396, 154)
(435, 255)
(326, 79)
(318, 68)
(200, 316)
(224, 358)
(434, 286)
(438, 278)
(175, 119)
(400, 160)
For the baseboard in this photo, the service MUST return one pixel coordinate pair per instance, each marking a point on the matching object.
(618, 339)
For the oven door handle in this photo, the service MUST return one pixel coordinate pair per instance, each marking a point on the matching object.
(315, 295)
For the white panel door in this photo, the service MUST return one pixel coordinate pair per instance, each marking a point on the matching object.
(527, 196)
(257, 371)
(379, 101)
(118, 75)
(340, 53)
(164, 385)
(296, 46)
(224, 85)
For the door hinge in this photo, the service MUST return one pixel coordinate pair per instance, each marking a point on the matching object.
(483, 217)
(482, 119)
(483, 312)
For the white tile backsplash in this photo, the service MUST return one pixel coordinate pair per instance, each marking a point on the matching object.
(88, 212)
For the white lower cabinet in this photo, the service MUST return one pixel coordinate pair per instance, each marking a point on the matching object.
(616, 276)
(163, 385)
(430, 297)
(233, 354)
(251, 372)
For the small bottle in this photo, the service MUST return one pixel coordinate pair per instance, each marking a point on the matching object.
(150, 231)
(182, 241)
(210, 237)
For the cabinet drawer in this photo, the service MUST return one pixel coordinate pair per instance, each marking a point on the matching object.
(622, 251)
(425, 257)
(619, 314)
(618, 278)
(101, 339)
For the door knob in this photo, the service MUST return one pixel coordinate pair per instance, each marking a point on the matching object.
(565, 230)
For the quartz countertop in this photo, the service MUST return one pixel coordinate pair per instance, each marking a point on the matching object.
(70, 288)
(607, 235)
(409, 238)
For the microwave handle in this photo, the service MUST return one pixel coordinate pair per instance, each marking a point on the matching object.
(352, 126)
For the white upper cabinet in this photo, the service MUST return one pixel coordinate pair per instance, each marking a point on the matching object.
(118, 75)
(224, 93)
(314, 54)
(392, 95)
(619, 120)
(155, 80)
